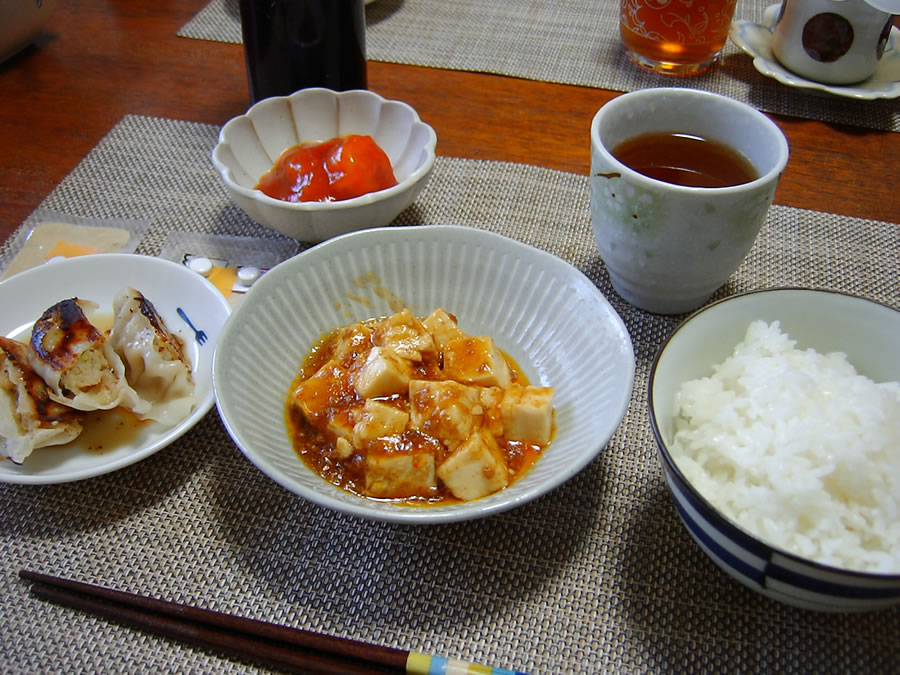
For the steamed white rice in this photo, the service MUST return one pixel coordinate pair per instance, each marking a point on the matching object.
(799, 449)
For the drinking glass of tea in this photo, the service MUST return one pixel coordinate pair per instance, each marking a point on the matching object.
(681, 184)
(674, 37)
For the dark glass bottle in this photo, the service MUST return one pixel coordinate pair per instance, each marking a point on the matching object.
(295, 44)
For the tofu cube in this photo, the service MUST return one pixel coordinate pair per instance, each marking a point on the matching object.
(444, 409)
(400, 475)
(340, 423)
(343, 449)
(405, 335)
(443, 327)
(527, 413)
(384, 373)
(316, 395)
(352, 341)
(476, 468)
(491, 399)
(476, 360)
(377, 419)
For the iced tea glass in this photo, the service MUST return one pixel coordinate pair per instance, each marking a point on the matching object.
(675, 37)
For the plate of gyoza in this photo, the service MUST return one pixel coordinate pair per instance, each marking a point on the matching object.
(98, 367)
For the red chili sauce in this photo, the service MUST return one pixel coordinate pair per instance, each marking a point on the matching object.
(338, 169)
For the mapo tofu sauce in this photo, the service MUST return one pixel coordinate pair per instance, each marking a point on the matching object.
(416, 411)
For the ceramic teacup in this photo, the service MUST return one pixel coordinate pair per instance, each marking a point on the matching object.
(668, 247)
(833, 41)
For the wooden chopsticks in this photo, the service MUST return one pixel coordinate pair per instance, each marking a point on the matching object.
(281, 647)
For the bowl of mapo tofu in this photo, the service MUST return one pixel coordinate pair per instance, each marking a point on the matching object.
(423, 374)
(416, 410)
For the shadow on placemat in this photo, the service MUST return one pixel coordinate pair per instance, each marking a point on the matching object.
(88, 506)
(326, 561)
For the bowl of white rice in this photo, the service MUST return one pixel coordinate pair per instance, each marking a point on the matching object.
(777, 417)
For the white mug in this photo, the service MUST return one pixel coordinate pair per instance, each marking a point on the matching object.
(832, 41)
(668, 247)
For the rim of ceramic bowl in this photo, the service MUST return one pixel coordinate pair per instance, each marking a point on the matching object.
(682, 92)
(713, 514)
(346, 204)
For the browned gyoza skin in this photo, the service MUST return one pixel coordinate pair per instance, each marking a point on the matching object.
(45, 407)
(76, 361)
(169, 343)
(155, 363)
(29, 418)
(62, 333)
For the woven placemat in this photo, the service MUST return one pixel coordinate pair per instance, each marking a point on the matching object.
(597, 576)
(568, 41)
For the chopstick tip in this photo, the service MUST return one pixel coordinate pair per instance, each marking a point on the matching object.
(28, 575)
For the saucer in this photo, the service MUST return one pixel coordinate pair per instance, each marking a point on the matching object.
(756, 40)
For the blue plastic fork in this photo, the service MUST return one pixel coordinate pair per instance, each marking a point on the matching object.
(199, 335)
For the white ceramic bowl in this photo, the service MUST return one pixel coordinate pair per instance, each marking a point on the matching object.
(250, 144)
(827, 322)
(542, 311)
(20, 23)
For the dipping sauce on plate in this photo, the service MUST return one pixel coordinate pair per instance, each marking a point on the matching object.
(334, 170)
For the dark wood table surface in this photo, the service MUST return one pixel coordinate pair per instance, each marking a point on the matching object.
(99, 60)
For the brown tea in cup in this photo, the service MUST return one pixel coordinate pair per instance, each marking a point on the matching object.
(685, 159)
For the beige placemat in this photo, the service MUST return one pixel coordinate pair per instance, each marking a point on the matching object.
(598, 576)
(567, 41)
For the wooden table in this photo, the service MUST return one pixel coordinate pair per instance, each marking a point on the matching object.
(99, 60)
(102, 60)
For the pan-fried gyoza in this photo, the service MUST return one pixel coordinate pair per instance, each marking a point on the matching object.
(29, 418)
(69, 367)
(77, 361)
(155, 364)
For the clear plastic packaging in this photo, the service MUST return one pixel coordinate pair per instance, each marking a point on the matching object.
(58, 234)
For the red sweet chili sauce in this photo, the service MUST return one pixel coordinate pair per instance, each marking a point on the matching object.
(338, 169)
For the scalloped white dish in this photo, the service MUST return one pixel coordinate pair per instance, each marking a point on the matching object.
(539, 309)
(25, 296)
(250, 144)
(756, 40)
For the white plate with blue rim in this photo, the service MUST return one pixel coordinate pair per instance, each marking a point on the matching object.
(756, 40)
(113, 443)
